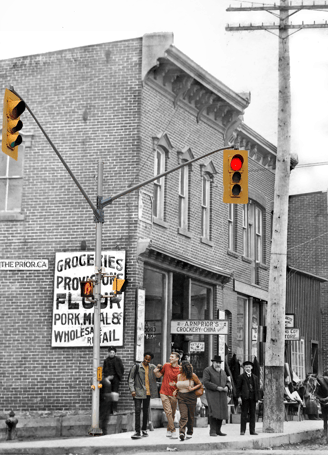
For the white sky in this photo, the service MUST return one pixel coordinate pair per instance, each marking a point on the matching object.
(245, 61)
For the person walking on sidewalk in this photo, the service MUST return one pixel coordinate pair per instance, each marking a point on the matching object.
(217, 386)
(170, 372)
(248, 393)
(187, 383)
(143, 387)
(113, 371)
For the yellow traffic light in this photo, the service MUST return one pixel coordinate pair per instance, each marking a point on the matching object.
(86, 288)
(119, 285)
(13, 107)
(235, 176)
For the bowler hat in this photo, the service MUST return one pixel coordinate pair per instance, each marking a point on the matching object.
(217, 358)
(248, 363)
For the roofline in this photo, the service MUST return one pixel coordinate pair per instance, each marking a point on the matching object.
(319, 278)
(310, 192)
(198, 73)
(256, 137)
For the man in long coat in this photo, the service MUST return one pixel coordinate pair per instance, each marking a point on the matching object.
(217, 386)
(248, 393)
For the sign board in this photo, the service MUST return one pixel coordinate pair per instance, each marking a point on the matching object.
(289, 320)
(140, 325)
(73, 316)
(292, 334)
(24, 264)
(215, 327)
(196, 346)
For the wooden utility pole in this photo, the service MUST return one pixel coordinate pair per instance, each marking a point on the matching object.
(274, 413)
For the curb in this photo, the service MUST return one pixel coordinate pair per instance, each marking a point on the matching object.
(100, 446)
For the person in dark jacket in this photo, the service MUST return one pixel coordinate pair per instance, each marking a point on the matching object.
(113, 371)
(217, 386)
(248, 393)
(143, 387)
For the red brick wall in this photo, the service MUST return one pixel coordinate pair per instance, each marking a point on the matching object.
(103, 84)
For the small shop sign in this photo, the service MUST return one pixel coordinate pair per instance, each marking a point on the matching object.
(292, 334)
(216, 327)
(196, 346)
(290, 320)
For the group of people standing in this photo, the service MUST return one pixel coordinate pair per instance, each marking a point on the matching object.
(179, 384)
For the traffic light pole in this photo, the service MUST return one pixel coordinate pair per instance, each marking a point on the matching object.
(99, 220)
(274, 413)
(95, 429)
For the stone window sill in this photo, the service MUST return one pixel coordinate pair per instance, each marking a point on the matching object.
(160, 222)
(184, 232)
(12, 216)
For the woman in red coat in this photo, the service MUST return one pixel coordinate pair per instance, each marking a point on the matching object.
(217, 386)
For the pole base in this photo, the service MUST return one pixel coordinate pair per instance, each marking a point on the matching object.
(95, 431)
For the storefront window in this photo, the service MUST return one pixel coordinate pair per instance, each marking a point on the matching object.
(155, 304)
(250, 316)
(191, 301)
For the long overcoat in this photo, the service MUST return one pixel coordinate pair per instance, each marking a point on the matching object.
(217, 401)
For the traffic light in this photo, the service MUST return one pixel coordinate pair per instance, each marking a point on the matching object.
(235, 176)
(119, 285)
(13, 107)
(87, 289)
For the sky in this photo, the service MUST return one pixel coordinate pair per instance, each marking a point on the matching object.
(246, 61)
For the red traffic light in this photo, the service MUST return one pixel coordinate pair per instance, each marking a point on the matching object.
(236, 162)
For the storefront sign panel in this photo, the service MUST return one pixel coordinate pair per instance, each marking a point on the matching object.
(73, 316)
(292, 334)
(200, 327)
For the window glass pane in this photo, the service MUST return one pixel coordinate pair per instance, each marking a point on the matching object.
(14, 194)
(182, 181)
(16, 167)
(240, 329)
(155, 201)
(154, 283)
(204, 192)
(3, 196)
(230, 214)
(3, 164)
(199, 311)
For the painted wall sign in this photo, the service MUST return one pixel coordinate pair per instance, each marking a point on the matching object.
(24, 264)
(72, 322)
(292, 334)
(200, 327)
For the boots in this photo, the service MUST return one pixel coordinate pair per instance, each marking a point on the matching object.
(218, 428)
(212, 426)
(114, 404)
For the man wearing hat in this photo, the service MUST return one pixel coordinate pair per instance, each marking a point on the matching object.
(248, 393)
(217, 386)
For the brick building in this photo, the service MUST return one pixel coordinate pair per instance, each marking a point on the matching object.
(141, 106)
(307, 251)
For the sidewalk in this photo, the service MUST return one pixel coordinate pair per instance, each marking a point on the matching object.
(158, 442)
